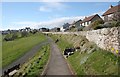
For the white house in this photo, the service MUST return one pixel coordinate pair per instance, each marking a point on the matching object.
(88, 20)
(111, 13)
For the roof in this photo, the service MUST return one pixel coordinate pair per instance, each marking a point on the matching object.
(66, 25)
(76, 22)
(89, 18)
(112, 10)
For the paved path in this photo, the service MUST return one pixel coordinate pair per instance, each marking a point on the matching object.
(57, 64)
(26, 57)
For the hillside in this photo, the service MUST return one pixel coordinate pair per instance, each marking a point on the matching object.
(13, 50)
(89, 59)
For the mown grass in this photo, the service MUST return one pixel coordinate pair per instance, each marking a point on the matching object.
(12, 50)
(35, 66)
(97, 62)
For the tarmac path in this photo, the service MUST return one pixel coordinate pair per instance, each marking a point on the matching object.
(57, 64)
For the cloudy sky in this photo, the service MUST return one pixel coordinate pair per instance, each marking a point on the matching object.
(16, 15)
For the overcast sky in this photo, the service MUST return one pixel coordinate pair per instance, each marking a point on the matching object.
(16, 15)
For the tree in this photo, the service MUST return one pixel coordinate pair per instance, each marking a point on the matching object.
(28, 28)
(24, 34)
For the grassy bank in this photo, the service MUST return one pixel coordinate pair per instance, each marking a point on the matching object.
(89, 59)
(12, 50)
(35, 65)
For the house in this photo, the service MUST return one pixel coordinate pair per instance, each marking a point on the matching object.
(5, 32)
(65, 27)
(88, 20)
(111, 13)
(56, 29)
(76, 24)
(44, 29)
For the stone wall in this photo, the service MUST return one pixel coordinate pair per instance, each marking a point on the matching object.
(106, 38)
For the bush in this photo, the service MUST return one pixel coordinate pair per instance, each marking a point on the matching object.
(34, 31)
(24, 34)
(117, 24)
(95, 25)
(81, 28)
(111, 24)
(100, 26)
(14, 35)
(8, 37)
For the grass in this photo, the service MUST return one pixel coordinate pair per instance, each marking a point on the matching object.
(62, 43)
(97, 62)
(12, 50)
(34, 66)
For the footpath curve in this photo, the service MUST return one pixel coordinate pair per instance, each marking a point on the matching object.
(57, 64)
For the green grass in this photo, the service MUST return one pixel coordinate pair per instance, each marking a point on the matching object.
(95, 64)
(98, 62)
(34, 66)
(62, 42)
(12, 50)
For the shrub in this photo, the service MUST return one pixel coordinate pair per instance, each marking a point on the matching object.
(100, 26)
(8, 37)
(117, 24)
(95, 25)
(111, 24)
(34, 31)
(14, 35)
(81, 28)
(24, 34)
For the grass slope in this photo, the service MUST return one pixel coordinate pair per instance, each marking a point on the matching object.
(89, 60)
(12, 50)
(35, 66)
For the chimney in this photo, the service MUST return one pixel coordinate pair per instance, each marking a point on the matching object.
(110, 6)
(85, 17)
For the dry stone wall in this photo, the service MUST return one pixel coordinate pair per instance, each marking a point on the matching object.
(106, 38)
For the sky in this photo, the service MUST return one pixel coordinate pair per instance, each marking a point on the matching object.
(18, 15)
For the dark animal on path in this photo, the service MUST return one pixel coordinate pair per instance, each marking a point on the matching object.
(16, 67)
(69, 51)
(56, 41)
(39, 58)
(77, 48)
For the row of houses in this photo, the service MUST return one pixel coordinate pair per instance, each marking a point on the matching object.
(107, 16)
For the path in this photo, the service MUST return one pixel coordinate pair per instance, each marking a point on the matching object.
(26, 57)
(57, 64)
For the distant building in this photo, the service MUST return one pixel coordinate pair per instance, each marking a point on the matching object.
(111, 13)
(44, 29)
(76, 24)
(9, 31)
(88, 20)
(56, 29)
(5, 32)
(65, 27)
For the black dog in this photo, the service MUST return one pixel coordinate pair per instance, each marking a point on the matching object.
(56, 41)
